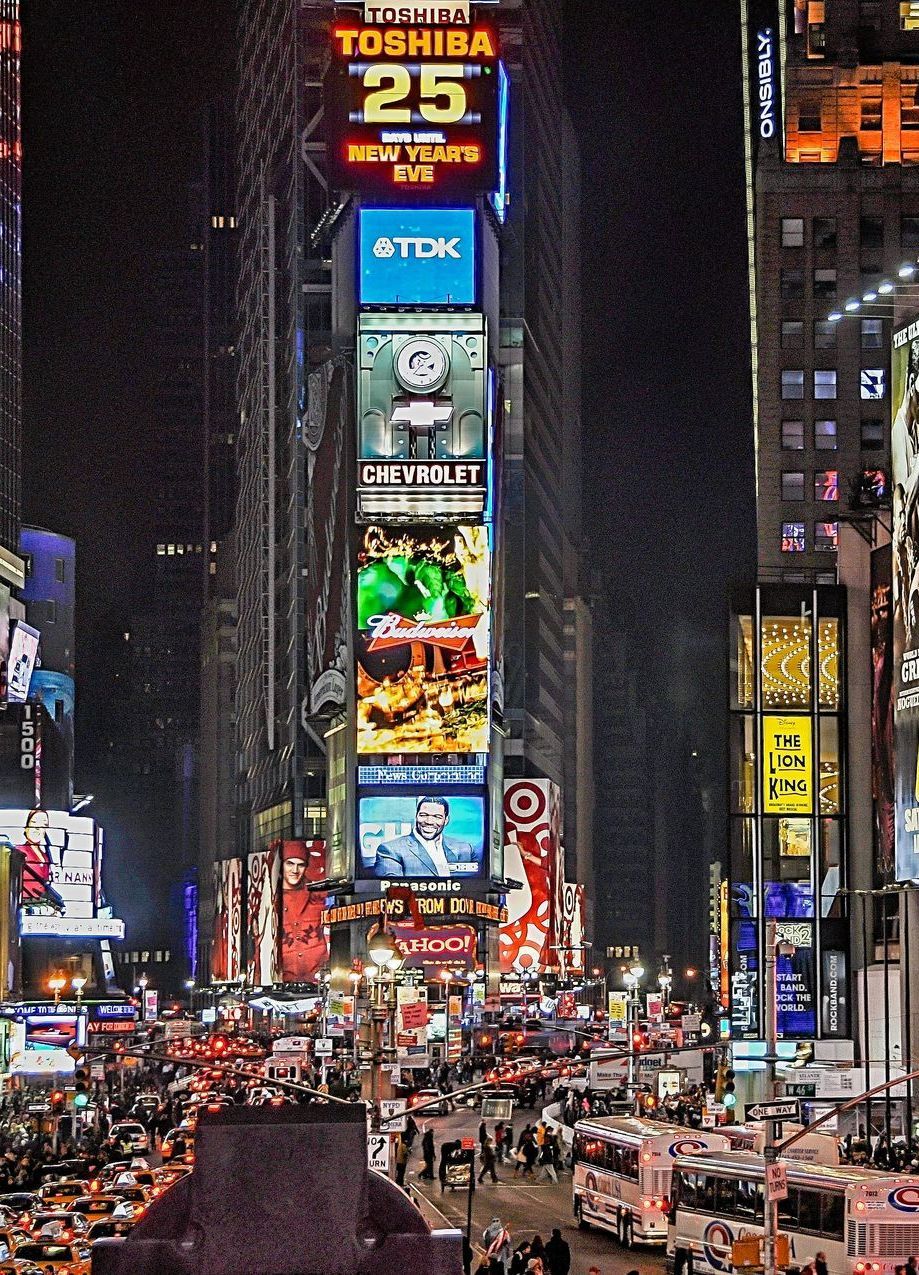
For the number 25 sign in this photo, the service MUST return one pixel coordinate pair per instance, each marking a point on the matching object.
(413, 112)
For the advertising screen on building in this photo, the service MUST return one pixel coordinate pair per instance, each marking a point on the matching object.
(227, 946)
(423, 606)
(422, 416)
(423, 834)
(788, 762)
(412, 112)
(437, 948)
(904, 456)
(533, 855)
(883, 767)
(61, 875)
(263, 916)
(23, 654)
(304, 936)
(417, 256)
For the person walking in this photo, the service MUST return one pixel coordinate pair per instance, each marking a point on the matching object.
(558, 1253)
(487, 1157)
(497, 1240)
(499, 1143)
(820, 1265)
(547, 1160)
(483, 1133)
(401, 1160)
(427, 1152)
(530, 1155)
(509, 1141)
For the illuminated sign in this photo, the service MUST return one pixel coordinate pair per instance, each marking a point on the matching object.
(23, 654)
(463, 906)
(904, 369)
(423, 642)
(89, 927)
(452, 947)
(787, 766)
(375, 776)
(423, 834)
(422, 417)
(436, 13)
(413, 111)
(417, 256)
(765, 64)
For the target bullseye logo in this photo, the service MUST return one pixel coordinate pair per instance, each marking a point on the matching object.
(687, 1146)
(905, 1198)
(716, 1245)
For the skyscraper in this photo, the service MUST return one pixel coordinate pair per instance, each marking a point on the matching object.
(10, 292)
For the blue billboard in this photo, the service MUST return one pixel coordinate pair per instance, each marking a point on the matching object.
(417, 256)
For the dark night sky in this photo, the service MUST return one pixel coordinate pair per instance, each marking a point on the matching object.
(111, 92)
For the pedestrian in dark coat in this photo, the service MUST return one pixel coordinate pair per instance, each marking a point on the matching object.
(558, 1254)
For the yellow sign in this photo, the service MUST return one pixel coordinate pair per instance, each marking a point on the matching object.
(788, 766)
(618, 1003)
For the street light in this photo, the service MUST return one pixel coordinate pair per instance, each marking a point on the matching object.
(57, 983)
(632, 977)
(78, 982)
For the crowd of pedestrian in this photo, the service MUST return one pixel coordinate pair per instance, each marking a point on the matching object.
(530, 1257)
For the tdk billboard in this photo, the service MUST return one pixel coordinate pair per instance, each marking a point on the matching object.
(417, 256)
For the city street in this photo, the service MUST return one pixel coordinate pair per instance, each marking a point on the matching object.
(526, 1208)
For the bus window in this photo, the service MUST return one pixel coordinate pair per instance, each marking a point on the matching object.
(809, 1210)
(688, 1190)
(749, 1203)
(706, 1192)
(788, 1209)
(832, 1215)
(727, 1197)
(630, 1163)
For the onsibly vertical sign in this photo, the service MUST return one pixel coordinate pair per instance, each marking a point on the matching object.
(788, 787)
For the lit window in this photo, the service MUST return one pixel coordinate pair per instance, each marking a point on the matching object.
(825, 334)
(792, 537)
(793, 383)
(826, 484)
(909, 15)
(825, 436)
(170, 551)
(792, 485)
(792, 334)
(872, 334)
(792, 232)
(872, 434)
(826, 536)
(825, 383)
(873, 383)
(793, 436)
(161, 550)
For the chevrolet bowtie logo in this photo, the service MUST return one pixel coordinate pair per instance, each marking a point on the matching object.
(423, 416)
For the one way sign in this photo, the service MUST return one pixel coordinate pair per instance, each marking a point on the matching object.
(781, 1109)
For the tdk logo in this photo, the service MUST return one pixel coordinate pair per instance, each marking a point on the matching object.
(417, 249)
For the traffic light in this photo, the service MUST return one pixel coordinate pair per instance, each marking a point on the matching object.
(57, 1102)
(730, 1097)
(639, 1040)
(81, 1086)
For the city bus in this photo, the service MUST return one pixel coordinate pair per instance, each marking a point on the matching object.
(866, 1222)
(622, 1167)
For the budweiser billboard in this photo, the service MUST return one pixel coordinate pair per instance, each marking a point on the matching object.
(438, 948)
(532, 854)
(423, 617)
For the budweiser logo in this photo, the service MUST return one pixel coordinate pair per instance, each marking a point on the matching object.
(394, 630)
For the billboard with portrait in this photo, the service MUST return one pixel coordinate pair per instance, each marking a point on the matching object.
(904, 455)
(23, 654)
(416, 835)
(227, 945)
(304, 938)
(423, 609)
(532, 855)
(61, 874)
(263, 916)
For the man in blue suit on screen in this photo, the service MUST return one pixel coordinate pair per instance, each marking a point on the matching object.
(426, 852)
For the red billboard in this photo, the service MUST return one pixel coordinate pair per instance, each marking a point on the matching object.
(533, 855)
(438, 947)
(263, 915)
(227, 945)
(304, 938)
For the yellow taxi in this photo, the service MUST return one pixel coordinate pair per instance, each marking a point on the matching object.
(68, 1259)
(10, 1239)
(57, 1194)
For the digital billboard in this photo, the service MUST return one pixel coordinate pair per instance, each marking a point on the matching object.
(423, 609)
(227, 943)
(412, 112)
(437, 948)
(532, 855)
(416, 256)
(61, 874)
(883, 766)
(304, 937)
(23, 654)
(417, 835)
(904, 456)
(422, 416)
(263, 916)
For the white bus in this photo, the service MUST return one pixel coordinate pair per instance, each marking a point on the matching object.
(622, 1169)
(866, 1222)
